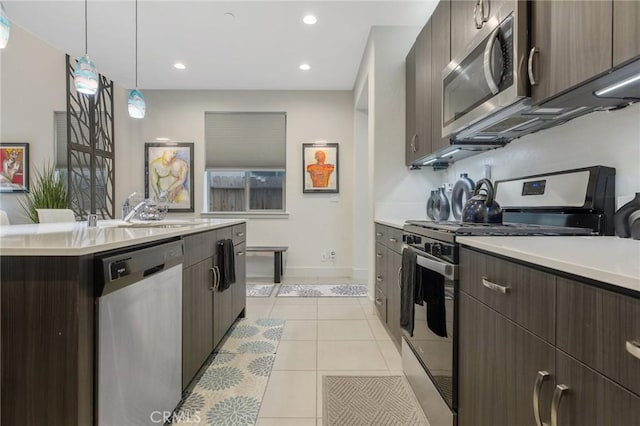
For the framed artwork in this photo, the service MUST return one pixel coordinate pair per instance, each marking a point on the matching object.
(14, 176)
(168, 170)
(320, 167)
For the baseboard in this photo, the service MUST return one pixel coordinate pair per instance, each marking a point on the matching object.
(360, 274)
(303, 272)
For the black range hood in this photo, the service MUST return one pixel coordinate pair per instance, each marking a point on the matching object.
(616, 88)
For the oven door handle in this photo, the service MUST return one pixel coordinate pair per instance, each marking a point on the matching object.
(434, 264)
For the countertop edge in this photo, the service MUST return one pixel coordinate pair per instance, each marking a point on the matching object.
(574, 268)
(394, 223)
(158, 235)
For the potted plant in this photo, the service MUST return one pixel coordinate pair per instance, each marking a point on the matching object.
(48, 191)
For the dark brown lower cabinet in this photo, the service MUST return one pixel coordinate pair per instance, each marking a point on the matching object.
(394, 263)
(388, 263)
(47, 308)
(498, 365)
(590, 398)
(197, 318)
(591, 375)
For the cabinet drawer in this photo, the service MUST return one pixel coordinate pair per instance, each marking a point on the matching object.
(239, 233)
(198, 247)
(525, 295)
(594, 326)
(390, 237)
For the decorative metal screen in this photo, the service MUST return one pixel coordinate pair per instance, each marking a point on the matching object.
(90, 153)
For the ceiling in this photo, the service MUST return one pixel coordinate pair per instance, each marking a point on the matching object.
(260, 48)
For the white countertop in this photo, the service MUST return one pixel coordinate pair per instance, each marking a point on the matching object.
(394, 223)
(610, 260)
(77, 239)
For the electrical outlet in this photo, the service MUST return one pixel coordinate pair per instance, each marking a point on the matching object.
(332, 255)
(323, 256)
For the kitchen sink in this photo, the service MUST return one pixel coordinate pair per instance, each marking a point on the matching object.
(148, 223)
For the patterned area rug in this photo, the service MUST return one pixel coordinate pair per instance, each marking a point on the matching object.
(370, 400)
(259, 290)
(322, 290)
(257, 336)
(229, 388)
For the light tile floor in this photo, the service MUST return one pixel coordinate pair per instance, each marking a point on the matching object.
(322, 336)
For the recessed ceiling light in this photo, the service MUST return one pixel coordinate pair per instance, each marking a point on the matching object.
(230, 16)
(309, 19)
(180, 66)
(305, 67)
(162, 139)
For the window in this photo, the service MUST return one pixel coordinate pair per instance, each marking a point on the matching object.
(245, 162)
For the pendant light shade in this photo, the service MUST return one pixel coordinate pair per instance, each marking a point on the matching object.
(137, 106)
(136, 103)
(5, 28)
(85, 74)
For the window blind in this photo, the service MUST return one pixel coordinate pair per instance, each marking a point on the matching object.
(245, 140)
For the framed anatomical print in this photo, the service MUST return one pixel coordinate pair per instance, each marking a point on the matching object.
(320, 167)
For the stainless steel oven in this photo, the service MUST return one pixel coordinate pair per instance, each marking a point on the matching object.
(489, 75)
(429, 355)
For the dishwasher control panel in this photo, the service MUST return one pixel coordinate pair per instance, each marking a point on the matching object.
(119, 269)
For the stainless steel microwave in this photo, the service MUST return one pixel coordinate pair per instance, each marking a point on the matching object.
(491, 74)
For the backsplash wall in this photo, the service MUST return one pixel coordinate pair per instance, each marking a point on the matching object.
(601, 138)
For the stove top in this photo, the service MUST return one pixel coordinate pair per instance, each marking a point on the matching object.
(496, 229)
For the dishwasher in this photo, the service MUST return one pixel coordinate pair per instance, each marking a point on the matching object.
(139, 327)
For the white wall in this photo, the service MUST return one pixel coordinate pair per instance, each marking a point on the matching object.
(33, 86)
(600, 138)
(393, 191)
(316, 222)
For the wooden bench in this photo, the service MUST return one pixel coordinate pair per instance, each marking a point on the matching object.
(277, 258)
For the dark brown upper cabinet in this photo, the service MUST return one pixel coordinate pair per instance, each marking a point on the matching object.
(572, 42)
(467, 18)
(626, 30)
(418, 100)
(440, 57)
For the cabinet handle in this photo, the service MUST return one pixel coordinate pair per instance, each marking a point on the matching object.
(555, 402)
(379, 278)
(480, 7)
(393, 240)
(378, 302)
(217, 285)
(379, 255)
(399, 275)
(532, 53)
(495, 287)
(239, 234)
(537, 388)
(379, 234)
(633, 347)
(213, 282)
(240, 253)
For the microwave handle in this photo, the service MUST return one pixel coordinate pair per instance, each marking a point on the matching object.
(488, 75)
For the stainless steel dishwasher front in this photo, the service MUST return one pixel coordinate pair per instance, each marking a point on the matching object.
(139, 314)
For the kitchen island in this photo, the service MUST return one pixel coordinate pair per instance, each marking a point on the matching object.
(49, 285)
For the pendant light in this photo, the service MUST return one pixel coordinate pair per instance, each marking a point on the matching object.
(85, 74)
(5, 28)
(137, 106)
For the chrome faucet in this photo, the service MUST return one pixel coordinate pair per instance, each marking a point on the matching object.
(126, 206)
(129, 217)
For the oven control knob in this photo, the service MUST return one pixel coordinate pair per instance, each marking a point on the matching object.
(436, 249)
(412, 239)
(445, 250)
